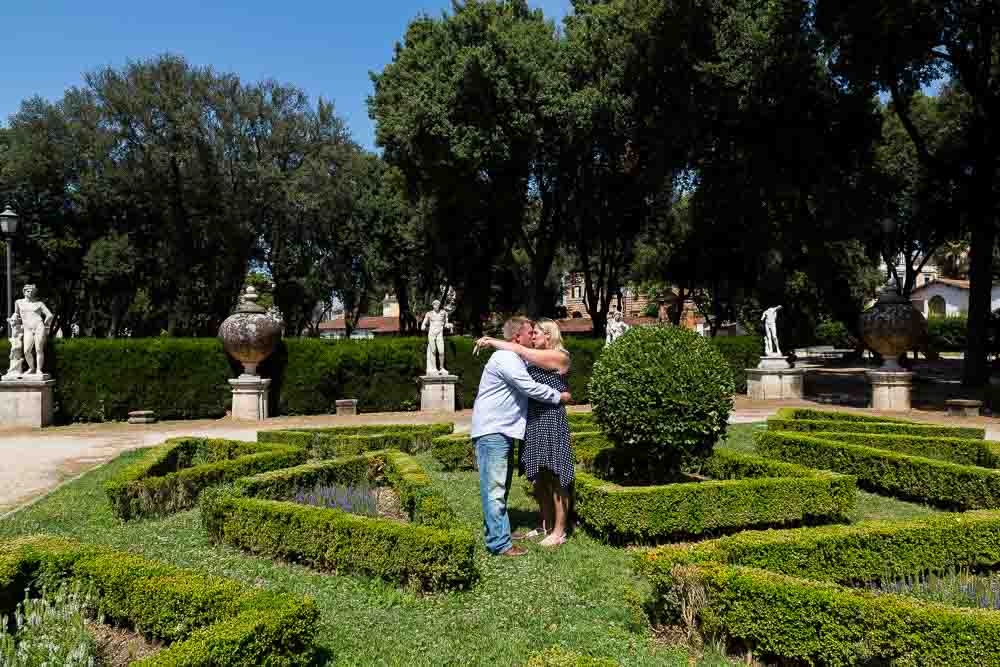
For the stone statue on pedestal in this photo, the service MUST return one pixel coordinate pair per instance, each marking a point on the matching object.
(30, 324)
(435, 323)
(770, 320)
(616, 328)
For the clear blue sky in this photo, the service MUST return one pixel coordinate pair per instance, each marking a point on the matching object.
(325, 47)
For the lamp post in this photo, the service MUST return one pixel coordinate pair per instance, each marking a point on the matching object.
(8, 225)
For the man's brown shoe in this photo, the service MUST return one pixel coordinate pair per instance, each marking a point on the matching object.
(515, 551)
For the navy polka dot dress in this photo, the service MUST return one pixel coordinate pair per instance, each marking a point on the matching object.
(546, 438)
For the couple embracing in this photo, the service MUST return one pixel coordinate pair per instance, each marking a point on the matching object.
(521, 396)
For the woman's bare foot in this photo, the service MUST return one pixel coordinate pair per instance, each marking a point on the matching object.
(553, 540)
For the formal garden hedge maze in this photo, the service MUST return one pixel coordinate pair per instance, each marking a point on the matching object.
(952, 468)
(258, 514)
(204, 620)
(169, 477)
(831, 595)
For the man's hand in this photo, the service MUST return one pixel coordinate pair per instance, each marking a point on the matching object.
(565, 397)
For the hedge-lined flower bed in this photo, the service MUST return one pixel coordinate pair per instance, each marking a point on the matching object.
(206, 620)
(327, 443)
(775, 591)
(254, 514)
(747, 491)
(806, 420)
(965, 451)
(867, 551)
(932, 481)
(169, 477)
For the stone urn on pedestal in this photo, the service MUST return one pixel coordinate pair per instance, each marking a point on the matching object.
(250, 335)
(891, 327)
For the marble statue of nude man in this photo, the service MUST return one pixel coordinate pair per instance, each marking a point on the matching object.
(35, 319)
(435, 322)
(770, 319)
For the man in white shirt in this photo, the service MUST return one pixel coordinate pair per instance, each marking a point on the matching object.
(499, 417)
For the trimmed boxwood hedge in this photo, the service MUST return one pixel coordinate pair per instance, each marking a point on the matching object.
(186, 378)
(326, 443)
(940, 483)
(808, 421)
(748, 491)
(778, 592)
(867, 551)
(207, 620)
(254, 514)
(965, 451)
(812, 622)
(168, 478)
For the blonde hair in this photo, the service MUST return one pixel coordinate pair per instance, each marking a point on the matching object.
(551, 330)
(513, 325)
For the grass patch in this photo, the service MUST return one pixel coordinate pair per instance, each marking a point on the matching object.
(575, 597)
(578, 597)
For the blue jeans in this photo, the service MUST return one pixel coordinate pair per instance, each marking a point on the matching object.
(495, 454)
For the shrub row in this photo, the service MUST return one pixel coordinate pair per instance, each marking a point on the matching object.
(812, 420)
(965, 451)
(186, 378)
(811, 414)
(207, 620)
(169, 477)
(454, 452)
(867, 551)
(772, 493)
(326, 443)
(254, 514)
(940, 483)
(947, 334)
(881, 428)
(741, 353)
(814, 622)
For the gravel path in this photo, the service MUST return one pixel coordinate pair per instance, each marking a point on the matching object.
(33, 462)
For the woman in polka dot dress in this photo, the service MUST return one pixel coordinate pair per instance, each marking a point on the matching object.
(547, 454)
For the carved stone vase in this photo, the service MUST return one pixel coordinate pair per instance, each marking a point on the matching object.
(891, 327)
(250, 334)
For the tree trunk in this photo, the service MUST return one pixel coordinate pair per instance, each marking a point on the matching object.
(975, 371)
(678, 312)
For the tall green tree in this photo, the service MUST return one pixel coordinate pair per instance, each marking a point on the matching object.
(900, 46)
(458, 112)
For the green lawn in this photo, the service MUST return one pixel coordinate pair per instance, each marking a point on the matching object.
(575, 597)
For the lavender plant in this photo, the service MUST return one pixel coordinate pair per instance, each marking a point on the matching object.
(49, 630)
(957, 588)
(360, 499)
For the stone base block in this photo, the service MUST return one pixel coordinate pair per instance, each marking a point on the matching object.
(958, 407)
(142, 417)
(774, 362)
(437, 393)
(765, 384)
(26, 402)
(891, 390)
(250, 394)
(347, 406)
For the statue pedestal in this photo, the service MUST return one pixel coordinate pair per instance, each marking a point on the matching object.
(890, 390)
(250, 394)
(437, 393)
(774, 378)
(27, 401)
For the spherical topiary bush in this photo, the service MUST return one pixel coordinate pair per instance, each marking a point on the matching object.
(665, 390)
